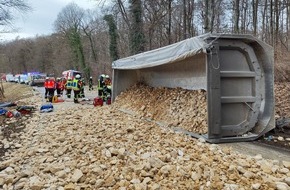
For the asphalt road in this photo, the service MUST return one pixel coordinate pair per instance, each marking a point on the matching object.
(89, 94)
(253, 149)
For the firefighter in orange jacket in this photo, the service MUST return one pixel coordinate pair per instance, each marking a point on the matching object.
(62, 85)
(58, 87)
(51, 88)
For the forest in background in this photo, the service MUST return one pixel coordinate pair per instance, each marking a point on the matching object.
(89, 40)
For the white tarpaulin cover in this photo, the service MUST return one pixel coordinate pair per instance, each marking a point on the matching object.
(176, 52)
(164, 55)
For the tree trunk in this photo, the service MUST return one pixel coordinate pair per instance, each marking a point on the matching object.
(271, 23)
(169, 21)
(277, 22)
(206, 16)
(184, 20)
(137, 41)
(236, 16)
(287, 23)
(255, 16)
(212, 13)
(264, 14)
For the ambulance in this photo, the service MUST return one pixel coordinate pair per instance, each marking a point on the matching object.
(70, 74)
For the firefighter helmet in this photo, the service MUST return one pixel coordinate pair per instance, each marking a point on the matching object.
(78, 76)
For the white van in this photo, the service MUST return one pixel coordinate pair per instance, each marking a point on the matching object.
(9, 78)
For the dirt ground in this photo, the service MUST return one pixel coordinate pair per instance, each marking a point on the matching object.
(15, 92)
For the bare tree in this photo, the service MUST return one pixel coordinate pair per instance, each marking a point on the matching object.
(7, 11)
(69, 22)
(154, 15)
(89, 28)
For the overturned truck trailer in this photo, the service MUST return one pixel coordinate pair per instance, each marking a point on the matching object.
(235, 70)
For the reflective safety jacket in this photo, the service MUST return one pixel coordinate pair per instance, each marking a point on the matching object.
(101, 84)
(50, 84)
(76, 84)
(69, 84)
(46, 83)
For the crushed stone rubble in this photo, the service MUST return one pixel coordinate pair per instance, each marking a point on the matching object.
(86, 147)
(176, 107)
(282, 99)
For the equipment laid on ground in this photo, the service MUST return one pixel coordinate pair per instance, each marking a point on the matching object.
(25, 109)
(237, 72)
(7, 104)
(46, 108)
(2, 111)
(54, 99)
(9, 114)
(98, 101)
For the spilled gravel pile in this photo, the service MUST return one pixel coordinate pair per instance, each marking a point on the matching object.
(282, 99)
(85, 147)
(176, 107)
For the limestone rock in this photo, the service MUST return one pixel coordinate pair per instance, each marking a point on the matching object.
(287, 180)
(35, 183)
(286, 164)
(76, 175)
(70, 186)
(109, 182)
(256, 186)
(282, 186)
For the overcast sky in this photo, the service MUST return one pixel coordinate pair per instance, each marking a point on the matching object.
(40, 20)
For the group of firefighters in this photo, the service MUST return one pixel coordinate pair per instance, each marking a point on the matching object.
(77, 86)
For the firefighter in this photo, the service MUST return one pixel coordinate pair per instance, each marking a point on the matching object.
(58, 87)
(62, 85)
(101, 84)
(45, 87)
(51, 88)
(82, 91)
(107, 88)
(91, 83)
(107, 80)
(68, 87)
(77, 86)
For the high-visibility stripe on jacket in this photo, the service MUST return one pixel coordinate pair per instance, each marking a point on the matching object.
(75, 85)
(69, 84)
(50, 84)
(100, 84)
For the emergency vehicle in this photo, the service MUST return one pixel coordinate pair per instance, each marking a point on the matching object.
(36, 79)
(70, 74)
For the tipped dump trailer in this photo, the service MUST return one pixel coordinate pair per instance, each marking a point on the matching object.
(237, 72)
